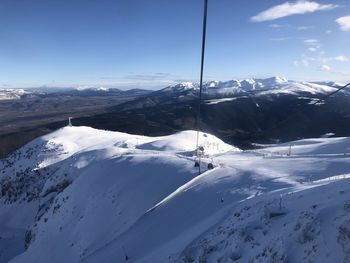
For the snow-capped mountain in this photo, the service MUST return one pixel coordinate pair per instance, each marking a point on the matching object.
(86, 195)
(12, 94)
(101, 88)
(17, 93)
(259, 86)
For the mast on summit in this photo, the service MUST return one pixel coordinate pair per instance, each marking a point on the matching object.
(70, 122)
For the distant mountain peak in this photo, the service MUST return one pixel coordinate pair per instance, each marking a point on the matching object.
(277, 79)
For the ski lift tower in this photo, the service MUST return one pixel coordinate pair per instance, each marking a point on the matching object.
(289, 150)
(70, 122)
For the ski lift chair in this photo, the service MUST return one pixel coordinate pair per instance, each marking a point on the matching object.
(210, 166)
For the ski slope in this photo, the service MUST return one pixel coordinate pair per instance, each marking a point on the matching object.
(86, 195)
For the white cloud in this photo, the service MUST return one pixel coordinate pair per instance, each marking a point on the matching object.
(280, 39)
(304, 27)
(311, 41)
(341, 58)
(325, 68)
(276, 26)
(288, 9)
(344, 23)
(281, 26)
(313, 44)
(320, 58)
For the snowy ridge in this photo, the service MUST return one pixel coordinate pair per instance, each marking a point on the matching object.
(273, 85)
(86, 195)
(94, 88)
(12, 94)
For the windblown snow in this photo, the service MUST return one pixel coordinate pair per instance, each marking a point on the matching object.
(86, 195)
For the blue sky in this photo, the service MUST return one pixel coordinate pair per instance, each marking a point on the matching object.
(155, 43)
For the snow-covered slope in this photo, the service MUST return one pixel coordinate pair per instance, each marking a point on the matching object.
(293, 225)
(86, 195)
(259, 86)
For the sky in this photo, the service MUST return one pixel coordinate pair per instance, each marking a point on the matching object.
(155, 43)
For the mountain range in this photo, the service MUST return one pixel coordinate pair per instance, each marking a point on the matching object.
(241, 112)
(273, 84)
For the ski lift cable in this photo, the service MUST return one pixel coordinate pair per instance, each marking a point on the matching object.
(198, 119)
(278, 124)
(330, 94)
